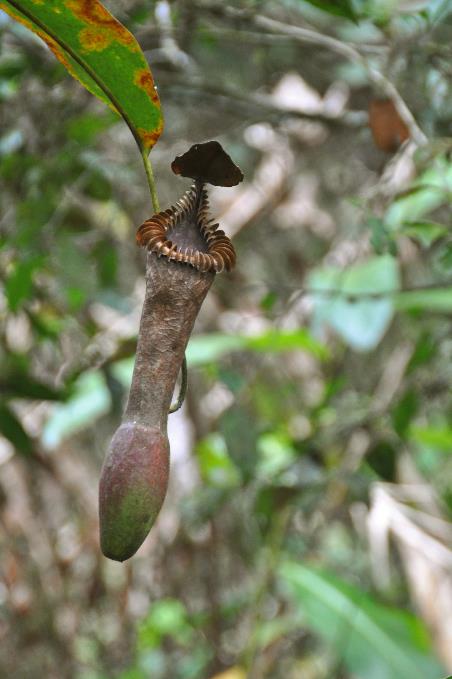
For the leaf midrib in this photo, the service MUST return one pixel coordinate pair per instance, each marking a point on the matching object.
(83, 64)
(375, 636)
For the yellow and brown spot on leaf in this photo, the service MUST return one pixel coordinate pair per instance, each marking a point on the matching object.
(93, 13)
(94, 39)
(144, 80)
(149, 138)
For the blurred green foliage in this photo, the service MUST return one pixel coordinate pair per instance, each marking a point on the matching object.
(314, 448)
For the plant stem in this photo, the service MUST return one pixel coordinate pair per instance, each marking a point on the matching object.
(151, 180)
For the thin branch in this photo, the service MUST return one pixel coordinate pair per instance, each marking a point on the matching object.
(264, 106)
(349, 52)
(305, 35)
(169, 50)
(256, 38)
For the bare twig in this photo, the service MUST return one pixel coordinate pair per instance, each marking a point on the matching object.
(263, 105)
(256, 38)
(169, 50)
(346, 50)
(351, 53)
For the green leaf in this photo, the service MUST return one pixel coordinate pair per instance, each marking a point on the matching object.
(444, 259)
(21, 385)
(203, 349)
(12, 430)
(133, 674)
(439, 300)
(107, 263)
(19, 284)
(276, 453)
(430, 191)
(425, 350)
(216, 467)
(436, 437)
(375, 641)
(275, 341)
(404, 411)
(382, 239)
(167, 617)
(99, 52)
(382, 458)
(342, 8)
(91, 399)
(425, 232)
(344, 300)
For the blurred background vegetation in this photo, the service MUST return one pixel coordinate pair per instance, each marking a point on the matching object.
(306, 533)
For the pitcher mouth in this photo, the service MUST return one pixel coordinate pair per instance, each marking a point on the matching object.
(185, 233)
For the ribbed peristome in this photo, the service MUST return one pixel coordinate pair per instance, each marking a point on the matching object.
(186, 233)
